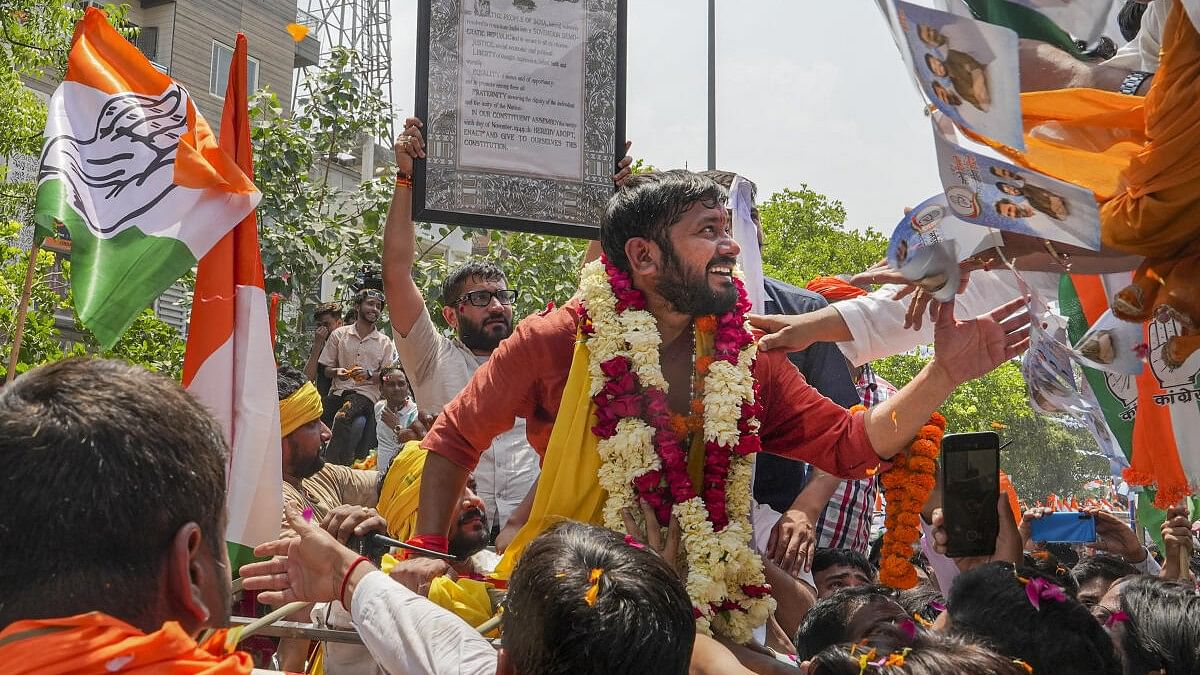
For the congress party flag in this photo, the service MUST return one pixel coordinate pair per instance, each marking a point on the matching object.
(133, 173)
(229, 364)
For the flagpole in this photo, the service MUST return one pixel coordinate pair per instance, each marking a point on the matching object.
(22, 311)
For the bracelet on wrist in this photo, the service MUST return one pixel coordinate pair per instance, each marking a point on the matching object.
(404, 181)
(346, 579)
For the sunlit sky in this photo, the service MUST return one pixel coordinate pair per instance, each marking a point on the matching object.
(807, 92)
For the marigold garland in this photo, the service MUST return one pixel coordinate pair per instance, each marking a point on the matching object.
(907, 484)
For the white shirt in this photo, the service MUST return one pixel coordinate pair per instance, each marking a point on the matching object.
(387, 446)
(438, 368)
(408, 634)
(876, 320)
(1143, 51)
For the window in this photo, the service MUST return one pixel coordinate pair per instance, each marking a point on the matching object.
(218, 77)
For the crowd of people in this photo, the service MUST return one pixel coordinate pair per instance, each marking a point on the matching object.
(485, 450)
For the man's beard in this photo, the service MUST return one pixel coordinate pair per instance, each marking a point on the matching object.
(311, 468)
(466, 544)
(480, 337)
(694, 295)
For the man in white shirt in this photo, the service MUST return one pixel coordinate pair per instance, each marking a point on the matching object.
(477, 304)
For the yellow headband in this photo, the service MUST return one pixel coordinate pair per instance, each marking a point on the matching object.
(299, 409)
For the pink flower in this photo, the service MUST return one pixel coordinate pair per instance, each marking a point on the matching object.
(629, 405)
(1039, 589)
(757, 591)
(621, 385)
(606, 429)
(1115, 618)
(749, 444)
(656, 403)
(615, 367)
(630, 541)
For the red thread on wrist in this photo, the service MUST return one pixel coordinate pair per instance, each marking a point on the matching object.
(346, 579)
(432, 542)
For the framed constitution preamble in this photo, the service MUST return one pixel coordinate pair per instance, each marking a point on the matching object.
(524, 110)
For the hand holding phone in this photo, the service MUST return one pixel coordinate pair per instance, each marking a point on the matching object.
(970, 479)
(1067, 527)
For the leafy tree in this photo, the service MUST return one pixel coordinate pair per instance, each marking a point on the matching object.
(805, 236)
(149, 342)
(310, 225)
(35, 38)
(1044, 454)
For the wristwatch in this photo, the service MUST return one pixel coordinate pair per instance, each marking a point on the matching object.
(1133, 82)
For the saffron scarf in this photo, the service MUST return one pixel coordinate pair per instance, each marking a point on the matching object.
(98, 643)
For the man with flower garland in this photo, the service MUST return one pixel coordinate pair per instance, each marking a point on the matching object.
(647, 391)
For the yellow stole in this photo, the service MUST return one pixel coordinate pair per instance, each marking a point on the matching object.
(569, 488)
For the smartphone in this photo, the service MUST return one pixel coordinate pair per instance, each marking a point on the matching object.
(1069, 527)
(970, 469)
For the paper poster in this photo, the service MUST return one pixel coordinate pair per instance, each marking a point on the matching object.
(968, 70)
(989, 191)
(929, 242)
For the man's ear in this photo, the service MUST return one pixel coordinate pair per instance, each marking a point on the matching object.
(186, 577)
(644, 255)
(451, 317)
(504, 665)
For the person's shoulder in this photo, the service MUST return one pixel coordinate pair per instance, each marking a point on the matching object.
(341, 331)
(786, 294)
(551, 322)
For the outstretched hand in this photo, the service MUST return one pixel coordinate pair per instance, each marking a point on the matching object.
(965, 350)
(783, 331)
(306, 568)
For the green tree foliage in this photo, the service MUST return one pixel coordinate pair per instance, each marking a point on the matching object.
(35, 37)
(805, 236)
(1044, 455)
(149, 342)
(309, 223)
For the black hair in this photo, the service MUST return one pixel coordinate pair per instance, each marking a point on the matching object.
(1163, 628)
(1066, 553)
(824, 558)
(288, 380)
(103, 463)
(922, 600)
(648, 205)
(330, 308)
(929, 58)
(365, 293)
(928, 653)
(1048, 564)
(725, 180)
(828, 622)
(484, 270)
(1129, 19)
(1102, 565)
(989, 604)
(640, 620)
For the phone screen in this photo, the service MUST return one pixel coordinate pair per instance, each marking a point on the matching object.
(970, 491)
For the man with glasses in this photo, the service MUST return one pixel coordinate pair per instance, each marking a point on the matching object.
(477, 304)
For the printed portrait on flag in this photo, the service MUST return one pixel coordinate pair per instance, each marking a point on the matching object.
(967, 69)
(992, 192)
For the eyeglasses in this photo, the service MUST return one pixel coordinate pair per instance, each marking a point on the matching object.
(484, 298)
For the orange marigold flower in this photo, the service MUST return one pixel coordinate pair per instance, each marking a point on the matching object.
(857, 408)
(924, 449)
(698, 406)
(937, 420)
(706, 324)
(679, 424)
(922, 465)
(703, 364)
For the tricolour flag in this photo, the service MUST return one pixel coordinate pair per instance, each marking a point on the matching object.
(229, 363)
(1155, 416)
(133, 172)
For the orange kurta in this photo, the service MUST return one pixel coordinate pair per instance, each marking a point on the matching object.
(98, 643)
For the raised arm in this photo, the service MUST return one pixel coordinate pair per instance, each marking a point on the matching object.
(404, 299)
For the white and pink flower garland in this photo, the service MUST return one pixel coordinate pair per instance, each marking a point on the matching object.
(644, 458)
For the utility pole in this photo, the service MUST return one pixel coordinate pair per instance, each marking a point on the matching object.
(712, 84)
